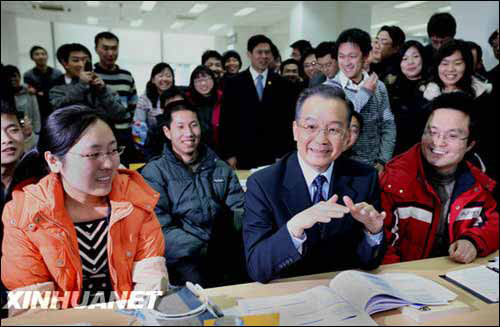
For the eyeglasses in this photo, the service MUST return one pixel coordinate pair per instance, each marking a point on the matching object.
(310, 65)
(202, 79)
(97, 156)
(312, 129)
(448, 137)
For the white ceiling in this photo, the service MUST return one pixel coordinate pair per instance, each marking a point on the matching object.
(268, 14)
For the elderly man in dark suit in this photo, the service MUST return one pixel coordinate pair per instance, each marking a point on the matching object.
(257, 111)
(314, 210)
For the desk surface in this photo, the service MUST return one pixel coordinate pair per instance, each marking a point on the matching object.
(482, 313)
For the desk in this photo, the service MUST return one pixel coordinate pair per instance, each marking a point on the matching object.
(482, 314)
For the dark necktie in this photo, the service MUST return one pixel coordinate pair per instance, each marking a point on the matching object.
(318, 183)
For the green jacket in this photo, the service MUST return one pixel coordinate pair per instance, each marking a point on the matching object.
(191, 204)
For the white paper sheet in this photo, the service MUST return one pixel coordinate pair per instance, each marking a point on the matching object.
(479, 279)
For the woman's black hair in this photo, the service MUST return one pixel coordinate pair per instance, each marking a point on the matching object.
(64, 127)
(230, 54)
(196, 97)
(307, 53)
(449, 48)
(151, 89)
(420, 48)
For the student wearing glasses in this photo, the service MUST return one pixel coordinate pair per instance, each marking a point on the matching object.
(314, 210)
(87, 226)
(437, 203)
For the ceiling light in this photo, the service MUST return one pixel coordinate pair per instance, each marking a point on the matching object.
(136, 23)
(245, 11)
(198, 8)
(37, 1)
(93, 3)
(390, 22)
(177, 24)
(420, 34)
(148, 5)
(92, 20)
(416, 27)
(444, 9)
(408, 4)
(216, 27)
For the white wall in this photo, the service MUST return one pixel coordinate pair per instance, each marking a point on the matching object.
(476, 20)
(9, 39)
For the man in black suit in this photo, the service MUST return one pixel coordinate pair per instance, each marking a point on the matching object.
(257, 111)
(314, 210)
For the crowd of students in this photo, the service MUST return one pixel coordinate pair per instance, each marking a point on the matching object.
(394, 138)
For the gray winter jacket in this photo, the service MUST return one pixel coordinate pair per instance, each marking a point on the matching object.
(191, 204)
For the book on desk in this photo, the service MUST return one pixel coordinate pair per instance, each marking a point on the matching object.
(350, 299)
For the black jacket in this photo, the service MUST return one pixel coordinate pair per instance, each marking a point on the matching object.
(276, 194)
(257, 132)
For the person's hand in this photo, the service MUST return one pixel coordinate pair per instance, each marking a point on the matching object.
(86, 77)
(98, 83)
(232, 162)
(366, 214)
(463, 251)
(379, 167)
(371, 83)
(321, 212)
(31, 90)
(27, 127)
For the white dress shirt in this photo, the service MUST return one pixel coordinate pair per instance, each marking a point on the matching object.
(255, 74)
(310, 175)
(347, 83)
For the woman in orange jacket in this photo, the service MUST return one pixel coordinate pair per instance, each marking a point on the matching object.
(87, 226)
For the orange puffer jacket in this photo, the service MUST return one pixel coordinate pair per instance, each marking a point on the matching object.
(40, 247)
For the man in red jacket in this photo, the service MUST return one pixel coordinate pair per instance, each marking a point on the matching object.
(437, 203)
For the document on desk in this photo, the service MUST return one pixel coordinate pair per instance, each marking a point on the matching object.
(314, 307)
(350, 298)
(480, 281)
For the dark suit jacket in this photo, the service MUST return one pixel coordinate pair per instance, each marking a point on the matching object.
(278, 193)
(257, 132)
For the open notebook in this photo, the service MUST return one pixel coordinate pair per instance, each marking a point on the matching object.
(350, 298)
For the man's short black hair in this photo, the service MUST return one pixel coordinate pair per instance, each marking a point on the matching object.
(442, 25)
(175, 106)
(326, 48)
(301, 45)
(356, 36)
(462, 102)
(256, 40)
(210, 54)
(289, 62)
(397, 35)
(64, 51)
(105, 35)
(9, 108)
(35, 48)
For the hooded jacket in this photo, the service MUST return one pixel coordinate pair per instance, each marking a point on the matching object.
(40, 247)
(413, 209)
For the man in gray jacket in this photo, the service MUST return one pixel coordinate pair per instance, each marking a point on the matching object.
(79, 85)
(200, 206)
